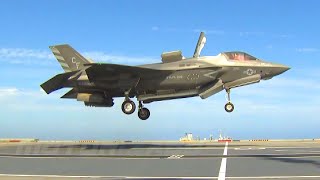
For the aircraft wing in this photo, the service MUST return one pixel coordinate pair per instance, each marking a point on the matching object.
(105, 72)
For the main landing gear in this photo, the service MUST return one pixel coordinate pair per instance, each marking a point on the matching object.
(128, 107)
(229, 107)
(143, 113)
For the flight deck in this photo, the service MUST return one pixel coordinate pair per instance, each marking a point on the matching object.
(299, 159)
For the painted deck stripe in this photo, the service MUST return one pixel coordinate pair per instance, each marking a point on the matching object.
(275, 177)
(223, 166)
(117, 177)
(175, 156)
(157, 177)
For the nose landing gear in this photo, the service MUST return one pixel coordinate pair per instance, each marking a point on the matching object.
(229, 107)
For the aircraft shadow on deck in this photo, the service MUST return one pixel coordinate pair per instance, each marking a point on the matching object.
(291, 160)
(142, 146)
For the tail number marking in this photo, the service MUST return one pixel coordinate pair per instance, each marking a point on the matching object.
(73, 60)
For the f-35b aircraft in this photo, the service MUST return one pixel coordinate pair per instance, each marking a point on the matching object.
(97, 84)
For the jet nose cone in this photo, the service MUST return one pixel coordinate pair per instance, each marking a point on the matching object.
(283, 69)
(280, 69)
(274, 70)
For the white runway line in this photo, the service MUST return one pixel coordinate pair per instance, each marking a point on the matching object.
(275, 177)
(179, 148)
(158, 177)
(223, 166)
(111, 177)
(175, 156)
(315, 151)
(245, 149)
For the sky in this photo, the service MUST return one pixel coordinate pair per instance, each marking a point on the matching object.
(137, 32)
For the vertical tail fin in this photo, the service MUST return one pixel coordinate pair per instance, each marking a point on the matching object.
(69, 59)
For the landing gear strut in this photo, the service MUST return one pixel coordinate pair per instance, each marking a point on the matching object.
(143, 113)
(128, 106)
(229, 107)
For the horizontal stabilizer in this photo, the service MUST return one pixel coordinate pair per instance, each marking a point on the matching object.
(72, 94)
(56, 82)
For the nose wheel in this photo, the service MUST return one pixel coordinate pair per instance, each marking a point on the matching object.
(229, 107)
(143, 113)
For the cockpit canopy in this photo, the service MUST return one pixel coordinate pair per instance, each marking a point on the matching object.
(239, 56)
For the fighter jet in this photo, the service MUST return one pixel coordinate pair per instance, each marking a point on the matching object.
(97, 84)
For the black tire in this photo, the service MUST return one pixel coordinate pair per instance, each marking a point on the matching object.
(143, 113)
(125, 107)
(229, 107)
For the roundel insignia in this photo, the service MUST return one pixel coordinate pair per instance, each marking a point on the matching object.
(249, 72)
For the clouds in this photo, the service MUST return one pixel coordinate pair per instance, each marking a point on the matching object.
(188, 30)
(307, 50)
(275, 102)
(284, 91)
(120, 59)
(30, 100)
(266, 96)
(297, 95)
(25, 56)
(13, 92)
(251, 33)
(24, 53)
(4, 92)
(209, 31)
(286, 99)
(221, 31)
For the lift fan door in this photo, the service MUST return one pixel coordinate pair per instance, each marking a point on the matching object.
(172, 56)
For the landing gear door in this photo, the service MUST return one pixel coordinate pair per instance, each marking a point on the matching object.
(211, 89)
